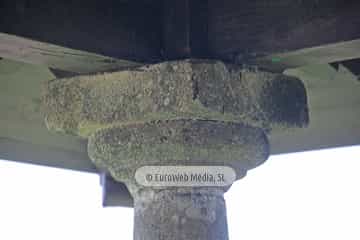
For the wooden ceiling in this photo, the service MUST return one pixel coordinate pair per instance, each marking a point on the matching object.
(40, 37)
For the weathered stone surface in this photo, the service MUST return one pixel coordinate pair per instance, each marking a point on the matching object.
(176, 215)
(181, 113)
(122, 150)
(190, 89)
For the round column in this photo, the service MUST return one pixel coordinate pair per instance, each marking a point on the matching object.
(175, 214)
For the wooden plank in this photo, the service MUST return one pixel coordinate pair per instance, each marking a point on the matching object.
(45, 156)
(24, 136)
(316, 55)
(329, 128)
(334, 108)
(53, 56)
(141, 30)
(352, 65)
(119, 29)
(246, 29)
(185, 29)
(199, 20)
(176, 29)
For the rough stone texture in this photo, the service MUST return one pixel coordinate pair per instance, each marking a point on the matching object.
(180, 215)
(122, 150)
(189, 89)
(192, 112)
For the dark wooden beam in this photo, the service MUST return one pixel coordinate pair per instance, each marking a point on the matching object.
(246, 29)
(199, 38)
(150, 31)
(330, 53)
(57, 57)
(120, 29)
(176, 29)
(185, 29)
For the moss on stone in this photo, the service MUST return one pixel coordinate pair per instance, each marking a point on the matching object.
(122, 150)
(191, 89)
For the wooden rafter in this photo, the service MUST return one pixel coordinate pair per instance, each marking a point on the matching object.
(316, 55)
(57, 57)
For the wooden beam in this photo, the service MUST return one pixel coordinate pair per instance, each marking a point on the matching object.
(57, 57)
(185, 29)
(316, 55)
(129, 29)
(246, 29)
(23, 134)
(334, 107)
(176, 29)
(44, 155)
(352, 65)
(199, 20)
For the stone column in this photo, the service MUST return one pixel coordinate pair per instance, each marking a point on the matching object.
(175, 213)
(187, 113)
(180, 214)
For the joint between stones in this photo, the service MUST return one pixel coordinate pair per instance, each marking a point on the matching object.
(191, 89)
(191, 112)
(122, 150)
(180, 113)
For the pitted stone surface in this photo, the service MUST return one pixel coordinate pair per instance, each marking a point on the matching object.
(122, 150)
(175, 215)
(192, 112)
(189, 89)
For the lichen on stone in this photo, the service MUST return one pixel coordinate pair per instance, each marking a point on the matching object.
(175, 214)
(191, 89)
(122, 150)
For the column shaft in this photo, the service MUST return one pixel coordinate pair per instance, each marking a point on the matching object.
(173, 214)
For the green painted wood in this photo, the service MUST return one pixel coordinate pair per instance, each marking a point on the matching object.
(57, 57)
(308, 56)
(334, 108)
(22, 128)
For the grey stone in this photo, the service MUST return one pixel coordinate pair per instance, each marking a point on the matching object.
(192, 112)
(174, 214)
(189, 89)
(122, 150)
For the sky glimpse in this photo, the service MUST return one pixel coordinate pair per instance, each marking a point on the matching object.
(309, 195)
